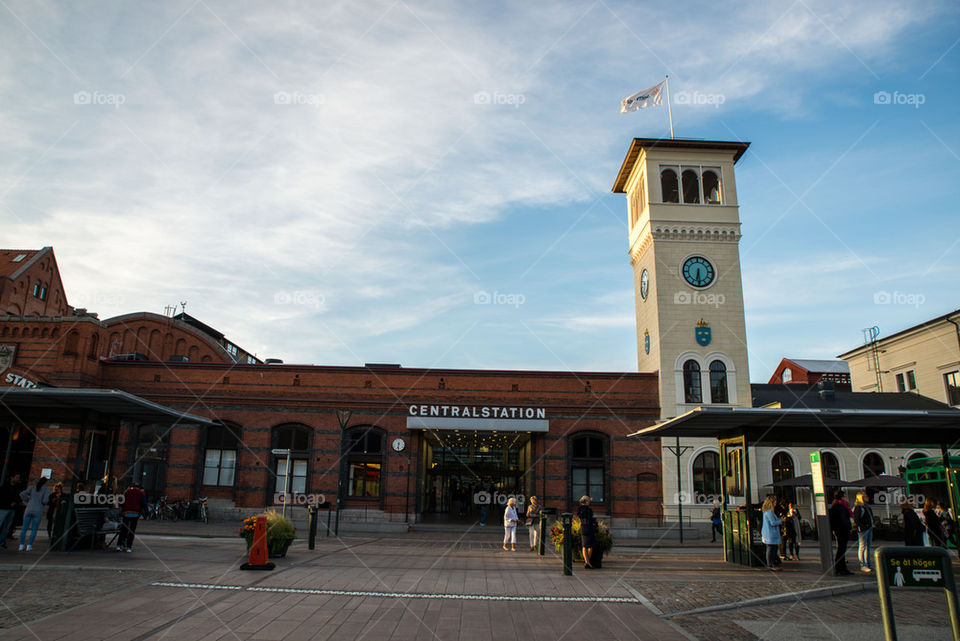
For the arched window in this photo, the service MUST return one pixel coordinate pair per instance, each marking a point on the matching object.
(364, 450)
(220, 455)
(70, 342)
(691, 382)
(691, 187)
(296, 438)
(94, 350)
(711, 187)
(718, 382)
(786, 376)
(706, 475)
(669, 185)
(873, 465)
(782, 468)
(831, 466)
(588, 463)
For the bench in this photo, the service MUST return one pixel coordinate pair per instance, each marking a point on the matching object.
(91, 523)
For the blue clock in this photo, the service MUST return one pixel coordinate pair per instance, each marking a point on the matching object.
(698, 271)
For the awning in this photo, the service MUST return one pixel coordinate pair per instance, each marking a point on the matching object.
(70, 405)
(804, 426)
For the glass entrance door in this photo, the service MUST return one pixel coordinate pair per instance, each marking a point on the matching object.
(464, 469)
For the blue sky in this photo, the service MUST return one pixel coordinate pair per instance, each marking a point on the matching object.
(338, 183)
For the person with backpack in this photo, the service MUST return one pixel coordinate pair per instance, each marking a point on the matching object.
(134, 504)
(36, 497)
(716, 526)
(947, 524)
(912, 525)
(863, 517)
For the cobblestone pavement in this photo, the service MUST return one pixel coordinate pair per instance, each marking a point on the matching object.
(439, 587)
(28, 595)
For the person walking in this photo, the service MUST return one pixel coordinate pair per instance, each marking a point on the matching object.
(912, 525)
(791, 526)
(715, 522)
(55, 497)
(9, 500)
(863, 517)
(533, 516)
(510, 524)
(770, 533)
(588, 531)
(134, 503)
(36, 497)
(931, 521)
(840, 527)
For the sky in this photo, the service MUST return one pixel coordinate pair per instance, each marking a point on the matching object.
(430, 183)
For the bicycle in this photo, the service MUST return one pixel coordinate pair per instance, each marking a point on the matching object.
(203, 514)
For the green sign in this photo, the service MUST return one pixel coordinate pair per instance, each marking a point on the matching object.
(912, 571)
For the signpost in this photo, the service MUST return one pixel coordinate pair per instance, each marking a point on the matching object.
(924, 568)
(820, 512)
(286, 478)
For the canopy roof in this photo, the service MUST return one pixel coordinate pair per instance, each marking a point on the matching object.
(818, 426)
(68, 405)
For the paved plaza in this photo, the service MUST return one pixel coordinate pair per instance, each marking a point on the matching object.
(433, 586)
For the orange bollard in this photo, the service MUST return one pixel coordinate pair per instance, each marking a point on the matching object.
(258, 551)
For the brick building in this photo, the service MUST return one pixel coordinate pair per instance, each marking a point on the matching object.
(396, 444)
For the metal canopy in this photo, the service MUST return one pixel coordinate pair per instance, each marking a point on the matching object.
(817, 427)
(69, 405)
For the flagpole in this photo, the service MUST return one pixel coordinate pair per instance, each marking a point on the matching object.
(669, 110)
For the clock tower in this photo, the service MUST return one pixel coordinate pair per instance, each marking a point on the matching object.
(684, 240)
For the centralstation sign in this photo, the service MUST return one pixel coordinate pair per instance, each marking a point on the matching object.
(478, 417)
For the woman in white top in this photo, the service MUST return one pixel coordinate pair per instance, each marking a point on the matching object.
(510, 524)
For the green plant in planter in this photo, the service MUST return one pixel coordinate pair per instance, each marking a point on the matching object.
(280, 532)
(603, 537)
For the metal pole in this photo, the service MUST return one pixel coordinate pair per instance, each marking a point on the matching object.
(669, 109)
(312, 516)
(567, 519)
(286, 486)
(679, 488)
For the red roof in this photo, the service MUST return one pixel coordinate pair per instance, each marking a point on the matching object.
(9, 265)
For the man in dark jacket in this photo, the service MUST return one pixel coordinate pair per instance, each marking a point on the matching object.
(9, 500)
(912, 525)
(840, 526)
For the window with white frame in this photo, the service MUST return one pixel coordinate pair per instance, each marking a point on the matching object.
(906, 381)
(691, 185)
(220, 456)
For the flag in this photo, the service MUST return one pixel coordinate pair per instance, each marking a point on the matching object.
(643, 99)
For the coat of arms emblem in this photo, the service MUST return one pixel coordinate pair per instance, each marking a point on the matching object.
(6, 356)
(646, 342)
(702, 333)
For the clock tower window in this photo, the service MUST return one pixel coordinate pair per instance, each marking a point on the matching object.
(718, 382)
(691, 382)
(669, 185)
(691, 187)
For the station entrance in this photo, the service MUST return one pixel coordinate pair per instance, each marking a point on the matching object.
(463, 470)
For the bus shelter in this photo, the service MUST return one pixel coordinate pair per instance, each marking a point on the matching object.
(737, 429)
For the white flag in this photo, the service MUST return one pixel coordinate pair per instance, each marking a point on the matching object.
(643, 99)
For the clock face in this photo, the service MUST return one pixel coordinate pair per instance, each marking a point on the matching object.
(399, 444)
(698, 271)
(644, 284)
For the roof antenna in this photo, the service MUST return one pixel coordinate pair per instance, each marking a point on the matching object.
(183, 307)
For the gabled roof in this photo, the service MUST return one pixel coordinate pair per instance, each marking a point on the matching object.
(821, 366)
(793, 395)
(12, 268)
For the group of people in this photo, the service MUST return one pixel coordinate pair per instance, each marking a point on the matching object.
(780, 531)
(935, 528)
(38, 500)
(511, 520)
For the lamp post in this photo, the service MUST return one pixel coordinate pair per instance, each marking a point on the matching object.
(343, 418)
(679, 451)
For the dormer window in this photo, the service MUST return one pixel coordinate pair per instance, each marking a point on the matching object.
(694, 183)
(19, 257)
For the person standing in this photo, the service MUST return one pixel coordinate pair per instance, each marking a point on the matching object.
(9, 500)
(863, 517)
(510, 524)
(588, 531)
(840, 527)
(770, 532)
(931, 521)
(791, 527)
(533, 516)
(36, 497)
(912, 525)
(134, 502)
(715, 522)
(947, 524)
(55, 497)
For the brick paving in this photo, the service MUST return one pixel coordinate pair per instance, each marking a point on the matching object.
(359, 587)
